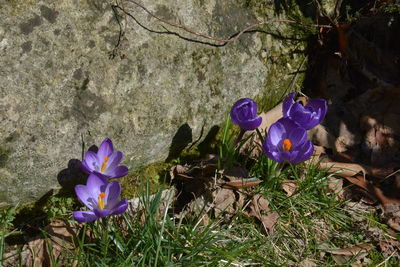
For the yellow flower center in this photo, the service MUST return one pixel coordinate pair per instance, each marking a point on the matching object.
(104, 165)
(101, 201)
(287, 145)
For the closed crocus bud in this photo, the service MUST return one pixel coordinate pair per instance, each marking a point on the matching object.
(287, 142)
(244, 114)
(307, 116)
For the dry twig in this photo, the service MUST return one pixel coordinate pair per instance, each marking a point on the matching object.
(221, 40)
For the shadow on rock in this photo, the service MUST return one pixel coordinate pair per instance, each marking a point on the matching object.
(182, 138)
(71, 176)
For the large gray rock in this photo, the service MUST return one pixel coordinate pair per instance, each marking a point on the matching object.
(59, 87)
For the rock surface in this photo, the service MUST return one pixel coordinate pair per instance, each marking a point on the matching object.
(60, 89)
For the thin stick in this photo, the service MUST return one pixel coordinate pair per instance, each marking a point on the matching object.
(230, 40)
(238, 138)
(260, 136)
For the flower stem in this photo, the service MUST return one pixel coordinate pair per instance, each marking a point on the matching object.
(260, 136)
(104, 237)
(238, 138)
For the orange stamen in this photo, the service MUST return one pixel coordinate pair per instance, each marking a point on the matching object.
(104, 165)
(287, 145)
(100, 200)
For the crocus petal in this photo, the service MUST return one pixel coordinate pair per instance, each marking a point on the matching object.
(120, 207)
(277, 156)
(314, 121)
(95, 185)
(113, 191)
(308, 149)
(270, 151)
(85, 167)
(85, 196)
(84, 216)
(306, 152)
(105, 149)
(104, 176)
(298, 136)
(251, 124)
(90, 162)
(287, 123)
(236, 107)
(319, 104)
(286, 156)
(114, 160)
(244, 114)
(300, 114)
(253, 109)
(293, 156)
(287, 104)
(118, 172)
(276, 133)
(102, 213)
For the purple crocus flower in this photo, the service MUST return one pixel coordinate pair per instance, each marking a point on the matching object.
(105, 162)
(287, 142)
(307, 116)
(244, 114)
(102, 198)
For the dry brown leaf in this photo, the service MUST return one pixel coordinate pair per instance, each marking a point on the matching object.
(42, 251)
(394, 223)
(342, 256)
(390, 248)
(289, 186)
(224, 200)
(372, 189)
(321, 137)
(336, 185)
(259, 208)
(343, 169)
(176, 171)
(352, 251)
(270, 117)
(235, 172)
(308, 263)
(197, 208)
(192, 172)
(340, 259)
(392, 216)
(360, 195)
(243, 183)
(318, 151)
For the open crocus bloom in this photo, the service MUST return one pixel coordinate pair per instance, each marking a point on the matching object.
(101, 198)
(105, 162)
(307, 116)
(287, 142)
(244, 114)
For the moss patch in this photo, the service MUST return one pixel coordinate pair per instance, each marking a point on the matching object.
(154, 174)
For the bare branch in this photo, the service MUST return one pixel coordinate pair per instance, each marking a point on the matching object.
(221, 40)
